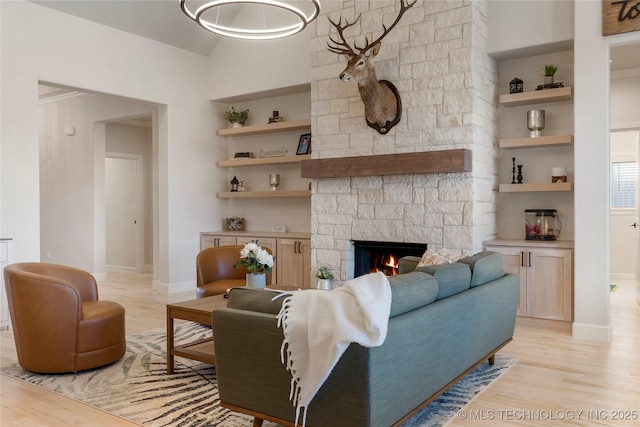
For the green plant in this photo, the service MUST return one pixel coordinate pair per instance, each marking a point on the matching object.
(233, 116)
(325, 273)
(550, 70)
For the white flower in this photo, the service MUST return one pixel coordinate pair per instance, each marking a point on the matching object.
(249, 247)
(264, 257)
(255, 259)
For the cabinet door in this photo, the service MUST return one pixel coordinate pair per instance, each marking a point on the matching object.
(549, 284)
(294, 262)
(211, 241)
(513, 261)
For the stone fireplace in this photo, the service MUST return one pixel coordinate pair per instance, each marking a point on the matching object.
(436, 56)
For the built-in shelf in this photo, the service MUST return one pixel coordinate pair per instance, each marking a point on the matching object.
(250, 161)
(267, 128)
(543, 186)
(263, 194)
(538, 96)
(541, 141)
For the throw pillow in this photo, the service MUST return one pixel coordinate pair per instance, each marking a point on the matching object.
(431, 257)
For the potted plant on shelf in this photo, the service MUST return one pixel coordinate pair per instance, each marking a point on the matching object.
(549, 73)
(325, 276)
(258, 262)
(236, 118)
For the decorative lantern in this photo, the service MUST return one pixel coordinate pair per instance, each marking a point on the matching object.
(516, 86)
(234, 184)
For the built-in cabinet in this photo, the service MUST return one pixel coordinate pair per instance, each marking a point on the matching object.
(546, 275)
(292, 252)
(5, 260)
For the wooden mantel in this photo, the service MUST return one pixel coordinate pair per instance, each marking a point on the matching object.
(443, 161)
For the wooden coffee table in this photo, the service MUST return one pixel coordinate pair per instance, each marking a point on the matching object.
(197, 310)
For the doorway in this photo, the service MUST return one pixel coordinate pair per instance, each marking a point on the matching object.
(624, 147)
(76, 130)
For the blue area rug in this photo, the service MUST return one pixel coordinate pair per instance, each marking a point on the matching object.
(138, 388)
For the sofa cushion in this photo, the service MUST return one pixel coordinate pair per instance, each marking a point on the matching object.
(485, 267)
(254, 300)
(452, 278)
(411, 290)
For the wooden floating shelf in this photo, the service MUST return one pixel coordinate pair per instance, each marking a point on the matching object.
(267, 128)
(541, 141)
(250, 161)
(538, 96)
(442, 161)
(544, 186)
(263, 194)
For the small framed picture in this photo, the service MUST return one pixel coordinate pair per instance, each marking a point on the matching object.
(304, 144)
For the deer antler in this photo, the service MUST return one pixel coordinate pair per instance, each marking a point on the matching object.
(345, 49)
(404, 6)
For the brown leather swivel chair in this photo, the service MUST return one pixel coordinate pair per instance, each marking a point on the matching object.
(58, 323)
(215, 272)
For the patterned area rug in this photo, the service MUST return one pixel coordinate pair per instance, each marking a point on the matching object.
(138, 388)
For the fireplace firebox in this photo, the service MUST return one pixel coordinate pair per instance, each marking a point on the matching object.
(382, 256)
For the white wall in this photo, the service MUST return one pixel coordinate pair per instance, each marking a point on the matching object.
(41, 44)
(241, 67)
(524, 27)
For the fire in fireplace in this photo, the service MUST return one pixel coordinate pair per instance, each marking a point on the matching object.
(382, 256)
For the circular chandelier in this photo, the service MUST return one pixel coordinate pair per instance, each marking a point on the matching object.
(252, 19)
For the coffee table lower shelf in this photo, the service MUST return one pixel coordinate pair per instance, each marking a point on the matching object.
(201, 350)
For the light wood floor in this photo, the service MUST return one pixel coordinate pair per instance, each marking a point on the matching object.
(555, 378)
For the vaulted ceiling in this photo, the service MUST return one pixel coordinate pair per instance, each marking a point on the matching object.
(163, 21)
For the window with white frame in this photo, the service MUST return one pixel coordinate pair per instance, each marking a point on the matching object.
(623, 184)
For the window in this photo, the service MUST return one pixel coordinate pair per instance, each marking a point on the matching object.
(623, 184)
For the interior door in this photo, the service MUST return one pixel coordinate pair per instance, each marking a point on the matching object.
(121, 216)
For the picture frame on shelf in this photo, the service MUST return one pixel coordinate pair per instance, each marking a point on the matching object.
(304, 144)
(234, 223)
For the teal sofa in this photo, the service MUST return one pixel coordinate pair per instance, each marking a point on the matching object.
(445, 320)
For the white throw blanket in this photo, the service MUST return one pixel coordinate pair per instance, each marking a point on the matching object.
(318, 327)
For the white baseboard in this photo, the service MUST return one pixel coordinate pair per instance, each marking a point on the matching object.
(584, 331)
(174, 288)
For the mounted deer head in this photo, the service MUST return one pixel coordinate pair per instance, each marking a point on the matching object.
(382, 105)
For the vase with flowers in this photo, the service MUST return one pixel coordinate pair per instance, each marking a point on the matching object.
(258, 262)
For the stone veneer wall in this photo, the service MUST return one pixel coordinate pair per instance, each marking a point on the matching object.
(436, 57)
